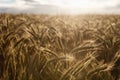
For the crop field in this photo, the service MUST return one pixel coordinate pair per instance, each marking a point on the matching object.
(59, 47)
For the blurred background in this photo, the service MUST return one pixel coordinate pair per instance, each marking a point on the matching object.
(60, 6)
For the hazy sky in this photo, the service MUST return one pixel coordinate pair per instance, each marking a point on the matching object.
(83, 6)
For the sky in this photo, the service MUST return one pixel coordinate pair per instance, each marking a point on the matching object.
(61, 6)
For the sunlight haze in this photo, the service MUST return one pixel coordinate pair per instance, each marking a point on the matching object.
(72, 6)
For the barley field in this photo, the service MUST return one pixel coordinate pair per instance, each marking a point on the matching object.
(59, 47)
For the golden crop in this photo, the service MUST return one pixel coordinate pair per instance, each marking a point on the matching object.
(49, 47)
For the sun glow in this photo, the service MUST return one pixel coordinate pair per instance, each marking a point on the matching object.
(81, 4)
(65, 6)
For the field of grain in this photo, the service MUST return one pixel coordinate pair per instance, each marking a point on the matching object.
(62, 47)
